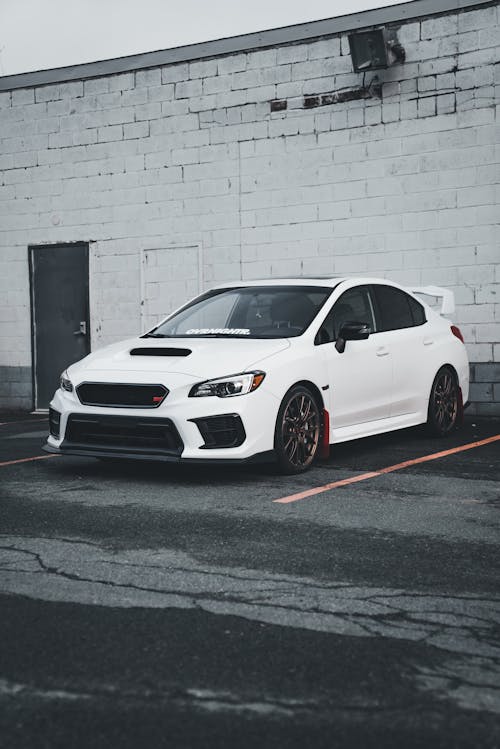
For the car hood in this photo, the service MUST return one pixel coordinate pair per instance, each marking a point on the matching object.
(208, 358)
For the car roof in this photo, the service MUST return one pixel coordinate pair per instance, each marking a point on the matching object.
(290, 281)
(324, 281)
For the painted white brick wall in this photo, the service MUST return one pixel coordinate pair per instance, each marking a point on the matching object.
(190, 155)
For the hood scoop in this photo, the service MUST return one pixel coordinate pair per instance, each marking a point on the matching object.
(154, 351)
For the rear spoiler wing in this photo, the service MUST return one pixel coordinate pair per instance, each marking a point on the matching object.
(447, 297)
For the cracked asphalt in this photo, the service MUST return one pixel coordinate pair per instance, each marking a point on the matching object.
(146, 605)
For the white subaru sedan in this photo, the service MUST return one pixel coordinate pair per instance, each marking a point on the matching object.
(278, 369)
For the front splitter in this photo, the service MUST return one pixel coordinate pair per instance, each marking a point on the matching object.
(263, 457)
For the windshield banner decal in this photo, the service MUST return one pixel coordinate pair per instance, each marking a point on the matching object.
(218, 331)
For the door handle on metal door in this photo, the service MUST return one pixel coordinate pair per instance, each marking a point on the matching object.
(382, 351)
(82, 330)
(428, 341)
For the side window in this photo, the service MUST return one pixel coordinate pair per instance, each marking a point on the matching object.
(417, 311)
(354, 305)
(396, 309)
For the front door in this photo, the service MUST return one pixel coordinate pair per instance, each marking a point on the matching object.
(60, 313)
(360, 378)
(360, 383)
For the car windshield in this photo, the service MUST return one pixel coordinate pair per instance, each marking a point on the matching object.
(246, 312)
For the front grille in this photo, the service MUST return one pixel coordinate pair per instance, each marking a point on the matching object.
(225, 430)
(117, 395)
(54, 422)
(122, 434)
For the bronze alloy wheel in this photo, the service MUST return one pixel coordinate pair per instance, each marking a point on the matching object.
(443, 403)
(297, 430)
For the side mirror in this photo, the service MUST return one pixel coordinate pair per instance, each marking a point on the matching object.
(351, 331)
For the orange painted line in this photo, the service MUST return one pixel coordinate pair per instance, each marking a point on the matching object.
(27, 460)
(381, 471)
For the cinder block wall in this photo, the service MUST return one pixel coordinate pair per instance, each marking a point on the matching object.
(402, 184)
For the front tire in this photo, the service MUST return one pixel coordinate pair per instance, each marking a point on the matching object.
(444, 403)
(297, 433)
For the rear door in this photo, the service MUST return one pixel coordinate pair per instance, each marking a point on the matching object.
(402, 327)
(60, 313)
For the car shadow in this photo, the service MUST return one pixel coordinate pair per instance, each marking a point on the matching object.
(367, 453)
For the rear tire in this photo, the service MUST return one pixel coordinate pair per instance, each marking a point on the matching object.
(444, 403)
(297, 432)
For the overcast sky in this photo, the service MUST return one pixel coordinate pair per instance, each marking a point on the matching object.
(39, 34)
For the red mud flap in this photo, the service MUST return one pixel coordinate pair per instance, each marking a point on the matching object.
(324, 448)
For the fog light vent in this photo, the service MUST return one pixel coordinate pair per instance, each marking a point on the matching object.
(225, 430)
(54, 423)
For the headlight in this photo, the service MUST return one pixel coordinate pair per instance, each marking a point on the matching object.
(227, 387)
(65, 383)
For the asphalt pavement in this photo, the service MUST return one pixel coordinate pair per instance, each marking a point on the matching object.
(148, 605)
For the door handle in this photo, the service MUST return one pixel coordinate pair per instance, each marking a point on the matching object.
(428, 341)
(82, 330)
(382, 351)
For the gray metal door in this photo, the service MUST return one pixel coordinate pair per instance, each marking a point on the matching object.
(59, 312)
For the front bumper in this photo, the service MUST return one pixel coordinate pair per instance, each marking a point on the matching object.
(174, 432)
